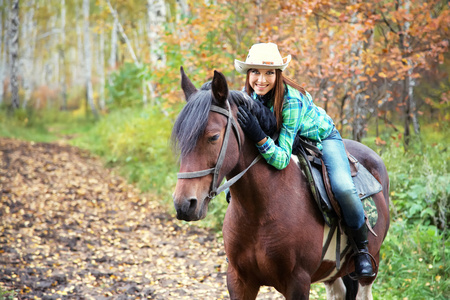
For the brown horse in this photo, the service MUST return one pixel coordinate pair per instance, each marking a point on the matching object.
(273, 230)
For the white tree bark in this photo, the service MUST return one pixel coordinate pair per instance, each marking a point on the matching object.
(14, 53)
(78, 54)
(184, 9)
(3, 48)
(409, 83)
(27, 61)
(359, 104)
(101, 70)
(88, 59)
(50, 66)
(113, 53)
(62, 56)
(156, 12)
(122, 33)
(138, 33)
(54, 60)
(132, 53)
(112, 60)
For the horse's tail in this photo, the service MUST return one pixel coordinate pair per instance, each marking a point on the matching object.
(351, 286)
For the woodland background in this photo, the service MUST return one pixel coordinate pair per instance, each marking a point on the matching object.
(104, 75)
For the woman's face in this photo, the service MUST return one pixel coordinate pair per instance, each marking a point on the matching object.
(262, 81)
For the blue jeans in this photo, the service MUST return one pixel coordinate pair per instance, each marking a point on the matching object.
(338, 168)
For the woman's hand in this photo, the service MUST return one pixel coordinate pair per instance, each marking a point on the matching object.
(250, 125)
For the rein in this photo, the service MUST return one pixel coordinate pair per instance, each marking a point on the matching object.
(195, 174)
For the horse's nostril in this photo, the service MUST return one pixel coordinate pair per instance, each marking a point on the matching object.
(192, 204)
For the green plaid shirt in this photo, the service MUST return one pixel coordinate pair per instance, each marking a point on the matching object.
(300, 114)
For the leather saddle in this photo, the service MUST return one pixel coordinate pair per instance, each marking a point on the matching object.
(312, 165)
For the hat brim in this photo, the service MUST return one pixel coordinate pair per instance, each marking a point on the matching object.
(243, 67)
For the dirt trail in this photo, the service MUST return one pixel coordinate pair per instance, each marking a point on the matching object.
(71, 229)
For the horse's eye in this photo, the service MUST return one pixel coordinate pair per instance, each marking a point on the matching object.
(213, 138)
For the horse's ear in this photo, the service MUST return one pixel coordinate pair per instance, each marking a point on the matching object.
(219, 87)
(186, 84)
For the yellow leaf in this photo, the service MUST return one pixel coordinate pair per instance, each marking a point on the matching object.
(382, 75)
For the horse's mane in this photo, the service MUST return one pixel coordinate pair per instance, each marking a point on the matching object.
(191, 121)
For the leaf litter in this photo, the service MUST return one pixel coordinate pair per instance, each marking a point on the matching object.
(72, 229)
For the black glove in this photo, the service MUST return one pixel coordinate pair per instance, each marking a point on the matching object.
(249, 123)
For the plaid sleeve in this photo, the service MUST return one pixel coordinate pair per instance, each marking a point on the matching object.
(280, 156)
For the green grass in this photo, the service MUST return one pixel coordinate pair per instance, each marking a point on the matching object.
(42, 126)
(414, 263)
(415, 254)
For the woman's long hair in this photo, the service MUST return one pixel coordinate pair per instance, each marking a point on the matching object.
(278, 93)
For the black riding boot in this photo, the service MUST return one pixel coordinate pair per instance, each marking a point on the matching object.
(363, 262)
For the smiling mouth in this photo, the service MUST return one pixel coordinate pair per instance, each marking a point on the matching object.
(262, 86)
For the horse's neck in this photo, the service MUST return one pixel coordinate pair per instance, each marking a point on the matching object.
(258, 193)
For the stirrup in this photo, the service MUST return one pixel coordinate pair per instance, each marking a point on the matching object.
(354, 276)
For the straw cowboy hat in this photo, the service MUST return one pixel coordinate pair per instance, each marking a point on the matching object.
(262, 56)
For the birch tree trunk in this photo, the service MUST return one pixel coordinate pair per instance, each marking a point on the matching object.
(112, 60)
(78, 54)
(51, 66)
(88, 60)
(3, 47)
(14, 53)
(359, 101)
(101, 70)
(146, 84)
(62, 57)
(28, 30)
(360, 105)
(408, 83)
(156, 12)
(113, 53)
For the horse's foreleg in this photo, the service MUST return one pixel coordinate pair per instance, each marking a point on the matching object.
(298, 294)
(335, 290)
(298, 288)
(364, 292)
(240, 289)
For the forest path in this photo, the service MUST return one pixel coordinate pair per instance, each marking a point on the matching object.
(72, 229)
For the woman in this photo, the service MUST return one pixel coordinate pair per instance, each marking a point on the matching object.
(295, 112)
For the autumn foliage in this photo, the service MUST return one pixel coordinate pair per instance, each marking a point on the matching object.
(365, 62)
(361, 60)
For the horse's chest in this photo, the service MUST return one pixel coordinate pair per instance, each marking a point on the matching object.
(266, 257)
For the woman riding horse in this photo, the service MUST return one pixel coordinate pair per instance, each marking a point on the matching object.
(295, 113)
(273, 231)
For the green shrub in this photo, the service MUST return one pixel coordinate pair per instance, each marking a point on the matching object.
(414, 263)
(415, 253)
(126, 86)
(419, 183)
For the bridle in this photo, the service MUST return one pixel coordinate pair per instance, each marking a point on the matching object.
(214, 190)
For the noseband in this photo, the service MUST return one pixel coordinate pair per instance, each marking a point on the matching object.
(214, 191)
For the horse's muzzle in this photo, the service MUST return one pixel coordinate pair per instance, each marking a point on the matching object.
(186, 209)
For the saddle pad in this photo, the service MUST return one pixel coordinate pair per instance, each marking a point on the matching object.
(366, 184)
